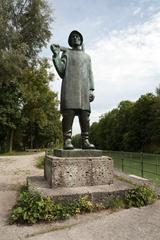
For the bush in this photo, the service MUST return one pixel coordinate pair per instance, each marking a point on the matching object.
(31, 207)
(140, 196)
(85, 205)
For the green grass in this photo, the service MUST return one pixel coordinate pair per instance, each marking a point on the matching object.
(40, 162)
(132, 163)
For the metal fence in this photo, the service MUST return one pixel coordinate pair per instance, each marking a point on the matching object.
(141, 164)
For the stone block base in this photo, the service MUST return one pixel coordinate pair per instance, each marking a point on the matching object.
(78, 171)
(96, 194)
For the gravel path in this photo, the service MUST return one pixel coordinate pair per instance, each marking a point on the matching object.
(131, 224)
(13, 172)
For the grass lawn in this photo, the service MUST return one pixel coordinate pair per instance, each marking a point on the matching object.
(144, 165)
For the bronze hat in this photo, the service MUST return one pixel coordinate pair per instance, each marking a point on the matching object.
(71, 34)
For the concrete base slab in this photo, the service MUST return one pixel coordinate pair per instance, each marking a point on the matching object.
(78, 153)
(97, 194)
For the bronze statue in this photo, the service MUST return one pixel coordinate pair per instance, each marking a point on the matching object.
(74, 67)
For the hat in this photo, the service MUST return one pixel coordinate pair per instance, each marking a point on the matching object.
(71, 34)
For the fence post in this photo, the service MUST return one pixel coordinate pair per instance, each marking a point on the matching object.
(142, 165)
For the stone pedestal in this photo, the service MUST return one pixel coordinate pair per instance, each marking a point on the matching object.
(78, 168)
(70, 175)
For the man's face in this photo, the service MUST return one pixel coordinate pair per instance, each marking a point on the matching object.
(75, 40)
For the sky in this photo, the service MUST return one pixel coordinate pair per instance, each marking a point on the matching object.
(123, 39)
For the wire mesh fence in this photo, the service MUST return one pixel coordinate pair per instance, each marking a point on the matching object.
(141, 164)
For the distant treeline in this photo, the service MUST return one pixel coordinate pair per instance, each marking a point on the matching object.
(132, 126)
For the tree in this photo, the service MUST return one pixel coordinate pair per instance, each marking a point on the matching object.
(139, 137)
(40, 106)
(32, 20)
(110, 132)
(125, 109)
(94, 134)
(158, 91)
(76, 140)
(130, 126)
(12, 60)
(24, 26)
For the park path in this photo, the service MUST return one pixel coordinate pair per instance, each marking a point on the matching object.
(13, 172)
(128, 224)
(134, 224)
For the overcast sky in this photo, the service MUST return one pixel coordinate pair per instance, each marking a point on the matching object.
(123, 39)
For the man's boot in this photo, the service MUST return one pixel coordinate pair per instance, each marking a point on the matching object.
(85, 142)
(67, 140)
(84, 123)
(67, 122)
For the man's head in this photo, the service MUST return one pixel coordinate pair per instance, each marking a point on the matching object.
(75, 39)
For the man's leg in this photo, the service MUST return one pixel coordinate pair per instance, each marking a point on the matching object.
(67, 122)
(84, 124)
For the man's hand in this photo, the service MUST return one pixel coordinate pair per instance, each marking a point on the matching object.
(55, 50)
(91, 96)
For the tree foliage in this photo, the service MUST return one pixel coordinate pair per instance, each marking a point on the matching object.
(132, 126)
(28, 108)
(40, 106)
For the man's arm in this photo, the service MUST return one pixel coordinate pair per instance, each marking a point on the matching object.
(91, 82)
(59, 62)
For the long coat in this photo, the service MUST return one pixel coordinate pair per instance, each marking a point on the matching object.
(75, 70)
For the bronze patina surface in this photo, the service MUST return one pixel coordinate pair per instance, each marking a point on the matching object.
(74, 67)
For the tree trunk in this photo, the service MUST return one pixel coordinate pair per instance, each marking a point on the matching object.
(11, 140)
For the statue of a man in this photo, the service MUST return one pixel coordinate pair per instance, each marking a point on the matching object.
(74, 67)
